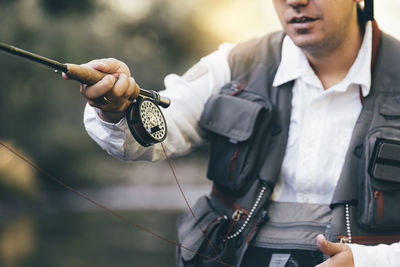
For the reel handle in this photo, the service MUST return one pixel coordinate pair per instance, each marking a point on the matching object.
(91, 76)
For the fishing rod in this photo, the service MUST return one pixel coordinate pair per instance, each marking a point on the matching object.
(145, 119)
(79, 73)
(146, 123)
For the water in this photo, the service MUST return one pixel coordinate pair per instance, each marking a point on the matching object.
(87, 238)
(63, 229)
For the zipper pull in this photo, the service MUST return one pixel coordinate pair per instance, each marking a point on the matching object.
(237, 214)
(344, 240)
(379, 196)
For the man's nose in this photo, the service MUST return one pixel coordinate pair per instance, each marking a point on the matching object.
(297, 3)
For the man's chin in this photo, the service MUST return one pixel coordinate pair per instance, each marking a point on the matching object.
(306, 41)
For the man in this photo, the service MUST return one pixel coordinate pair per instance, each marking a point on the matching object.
(302, 127)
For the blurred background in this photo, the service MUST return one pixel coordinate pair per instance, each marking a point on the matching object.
(42, 224)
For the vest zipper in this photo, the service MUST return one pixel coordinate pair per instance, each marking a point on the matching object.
(379, 196)
(233, 161)
(348, 238)
(249, 216)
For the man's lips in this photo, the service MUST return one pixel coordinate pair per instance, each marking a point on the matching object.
(302, 19)
(301, 23)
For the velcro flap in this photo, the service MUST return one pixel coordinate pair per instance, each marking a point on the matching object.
(230, 116)
(387, 162)
(391, 107)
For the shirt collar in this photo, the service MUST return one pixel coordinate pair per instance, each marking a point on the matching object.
(294, 65)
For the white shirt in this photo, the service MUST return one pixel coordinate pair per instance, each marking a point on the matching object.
(321, 123)
(320, 128)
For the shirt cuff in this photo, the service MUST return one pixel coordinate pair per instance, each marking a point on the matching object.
(376, 256)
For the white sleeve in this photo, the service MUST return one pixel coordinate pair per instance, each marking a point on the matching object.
(188, 94)
(376, 256)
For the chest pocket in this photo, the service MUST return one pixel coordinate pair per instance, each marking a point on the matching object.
(238, 126)
(380, 188)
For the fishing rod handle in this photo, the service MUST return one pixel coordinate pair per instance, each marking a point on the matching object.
(91, 76)
(83, 74)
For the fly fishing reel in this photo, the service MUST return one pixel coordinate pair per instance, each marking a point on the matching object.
(146, 121)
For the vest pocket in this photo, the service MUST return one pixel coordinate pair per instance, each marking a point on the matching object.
(380, 187)
(200, 239)
(237, 126)
(293, 226)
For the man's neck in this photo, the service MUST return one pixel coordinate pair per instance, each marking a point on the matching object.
(331, 64)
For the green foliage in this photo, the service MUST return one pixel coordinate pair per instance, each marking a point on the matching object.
(42, 113)
(63, 7)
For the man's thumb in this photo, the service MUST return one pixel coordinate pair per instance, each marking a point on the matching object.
(329, 248)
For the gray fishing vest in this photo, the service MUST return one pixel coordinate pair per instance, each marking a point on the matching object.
(248, 125)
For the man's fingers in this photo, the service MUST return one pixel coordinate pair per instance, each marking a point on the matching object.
(133, 90)
(329, 248)
(339, 254)
(114, 99)
(100, 88)
(109, 65)
(115, 91)
(121, 86)
(99, 64)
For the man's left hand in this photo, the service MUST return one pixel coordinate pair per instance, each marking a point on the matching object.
(339, 254)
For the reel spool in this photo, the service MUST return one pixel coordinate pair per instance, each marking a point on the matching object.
(146, 122)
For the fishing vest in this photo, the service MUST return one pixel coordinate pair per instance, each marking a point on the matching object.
(248, 123)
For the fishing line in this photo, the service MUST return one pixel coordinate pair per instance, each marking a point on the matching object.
(187, 202)
(148, 101)
(110, 211)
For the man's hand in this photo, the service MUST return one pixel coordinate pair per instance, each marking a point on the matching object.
(340, 255)
(112, 94)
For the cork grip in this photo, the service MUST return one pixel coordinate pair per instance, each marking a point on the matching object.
(84, 75)
(91, 76)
